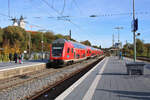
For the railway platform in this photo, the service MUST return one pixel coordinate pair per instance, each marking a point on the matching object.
(10, 69)
(108, 80)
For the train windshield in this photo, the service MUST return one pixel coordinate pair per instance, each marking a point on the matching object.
(57, 49)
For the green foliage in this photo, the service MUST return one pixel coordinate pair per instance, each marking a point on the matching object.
(1, 37)
(87, 42)
(67, 37)
(15, 37)
(36, 39)
(13, 34)
(95, 46)
(35, 57)
(4, 57)
(147, 50)
(49, 37)
(59, 36)
(139, 47)
(100, 47)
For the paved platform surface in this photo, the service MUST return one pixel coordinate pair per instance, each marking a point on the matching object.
(109, 81)
(7, 65)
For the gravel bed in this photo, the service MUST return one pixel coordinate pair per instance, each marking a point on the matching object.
(30, 88)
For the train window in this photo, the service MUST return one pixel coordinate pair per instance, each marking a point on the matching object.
(68, 50)
(72, 50)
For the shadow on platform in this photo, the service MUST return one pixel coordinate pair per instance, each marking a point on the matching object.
(129, 94)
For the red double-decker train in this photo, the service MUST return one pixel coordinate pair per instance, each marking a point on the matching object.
(64, 51)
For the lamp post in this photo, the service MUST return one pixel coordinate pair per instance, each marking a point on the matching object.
(42, 46)
(134, 35)
(42, 42)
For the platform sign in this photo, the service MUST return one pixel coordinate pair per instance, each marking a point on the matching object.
(134, 25)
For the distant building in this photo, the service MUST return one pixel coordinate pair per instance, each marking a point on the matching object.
(22, 22)
(118, 45)
(19, 22)
(15, 23)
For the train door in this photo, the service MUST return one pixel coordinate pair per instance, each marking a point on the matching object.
(74, 54)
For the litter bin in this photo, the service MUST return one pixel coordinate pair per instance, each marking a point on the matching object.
(135, 67)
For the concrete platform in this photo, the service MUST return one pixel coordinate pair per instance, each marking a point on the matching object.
(11, 69)
(108, 80)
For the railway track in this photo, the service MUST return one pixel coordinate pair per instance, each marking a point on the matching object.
(12, 82)
(51, 92)
(31, 80)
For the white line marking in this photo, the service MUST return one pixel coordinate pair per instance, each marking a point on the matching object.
(21, 67)
(89, 94)
(72, 87)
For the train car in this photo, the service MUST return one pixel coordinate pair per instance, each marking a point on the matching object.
(65, 52)
(88, 52)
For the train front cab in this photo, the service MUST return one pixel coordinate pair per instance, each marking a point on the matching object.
(56, 51)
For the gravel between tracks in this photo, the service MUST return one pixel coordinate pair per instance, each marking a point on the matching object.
(27, 89)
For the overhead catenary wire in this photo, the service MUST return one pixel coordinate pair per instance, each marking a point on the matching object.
(101, 15)
(63, 8)
(74, 1)
(1, 14)
(49, 13)
(50, 6)
(119, 14)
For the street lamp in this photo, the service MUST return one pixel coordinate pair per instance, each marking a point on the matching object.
(42, 46)
(42, 42)
(43, 30)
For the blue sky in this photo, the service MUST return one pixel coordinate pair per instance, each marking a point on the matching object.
(97, 30)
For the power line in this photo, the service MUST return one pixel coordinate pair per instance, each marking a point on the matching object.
(8, 8)
(50, 6)
(57, 12)
(39, 8)
(5, 15)
(74, 1)
(52, 3)
(119, 14)
(63, 7)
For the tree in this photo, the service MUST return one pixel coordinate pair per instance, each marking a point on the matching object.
(59, 36)
(100, 47)
(147, 46)
(36, 39)
(86, 42)
(1, 37)
(67, 37)
(139, 47)
(15, 37)
(95, 46)
(49, 37)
